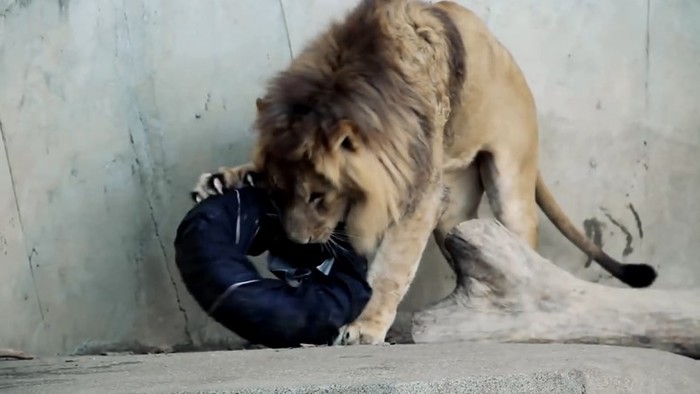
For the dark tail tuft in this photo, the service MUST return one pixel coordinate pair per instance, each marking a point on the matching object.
(638, 275)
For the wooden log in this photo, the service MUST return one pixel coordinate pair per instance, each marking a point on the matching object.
(14, 354)
(509, 293)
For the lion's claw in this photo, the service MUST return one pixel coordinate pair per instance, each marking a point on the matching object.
(361, 333)
(213, 184)
(208, 185)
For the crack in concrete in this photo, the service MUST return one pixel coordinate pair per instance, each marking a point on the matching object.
(637, 219)
(156, 231)
(171, 277)
(149, 167)
(31, 253)
(628, 236)
(286, 29)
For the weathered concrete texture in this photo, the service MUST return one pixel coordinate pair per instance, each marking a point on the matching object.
(110, 109)
(106, 107)
(17, 289)
(451, 368)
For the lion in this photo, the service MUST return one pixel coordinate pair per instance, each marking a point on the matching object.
(395, 121)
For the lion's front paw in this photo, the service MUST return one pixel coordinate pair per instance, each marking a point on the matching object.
(362, 332)
(208, 185)
(217, 183)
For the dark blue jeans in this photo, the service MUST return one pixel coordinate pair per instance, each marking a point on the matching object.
(212, 247)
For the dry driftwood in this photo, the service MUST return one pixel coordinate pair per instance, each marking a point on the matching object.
(14, 354)
(509, 293)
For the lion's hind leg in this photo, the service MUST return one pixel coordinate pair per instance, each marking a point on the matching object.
(509, 182)
(463, 193)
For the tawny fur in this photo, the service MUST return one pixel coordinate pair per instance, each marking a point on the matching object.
(396, 120)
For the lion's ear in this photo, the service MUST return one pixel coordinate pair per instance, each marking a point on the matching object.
(261, 104)
(343, 136)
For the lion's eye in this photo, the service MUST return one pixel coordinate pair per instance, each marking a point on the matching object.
(315, 198)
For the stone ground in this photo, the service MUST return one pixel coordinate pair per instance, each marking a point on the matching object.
(445, 368)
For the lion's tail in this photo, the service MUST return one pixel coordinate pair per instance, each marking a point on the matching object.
(635, 275)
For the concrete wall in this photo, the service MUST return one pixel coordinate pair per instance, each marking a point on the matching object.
(110, 109)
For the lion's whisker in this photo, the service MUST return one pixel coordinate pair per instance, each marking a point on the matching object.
(337, 244)
(331, 249)
(346, 235)
(326, 248)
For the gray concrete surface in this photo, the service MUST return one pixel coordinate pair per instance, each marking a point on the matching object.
(449, 368)
(111, 108)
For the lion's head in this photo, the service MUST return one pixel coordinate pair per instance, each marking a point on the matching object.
(343, 137)
(324, 173)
